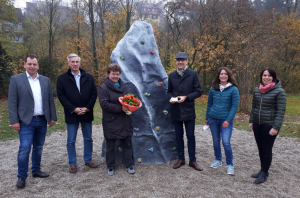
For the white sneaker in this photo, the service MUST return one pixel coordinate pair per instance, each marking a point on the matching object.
(230, 170)
(110, 171)
(216, 164)
(130, 170)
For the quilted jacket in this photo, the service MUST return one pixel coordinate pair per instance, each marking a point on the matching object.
(269, 108)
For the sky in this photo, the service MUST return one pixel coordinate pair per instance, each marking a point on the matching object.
(22, 3)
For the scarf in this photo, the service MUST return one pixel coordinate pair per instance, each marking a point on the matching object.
(222, 87)
(181, 72)
(265, 88)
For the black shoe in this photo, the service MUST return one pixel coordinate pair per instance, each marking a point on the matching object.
(40, 174)
(256, 175)
(261, 178)
(21, 182)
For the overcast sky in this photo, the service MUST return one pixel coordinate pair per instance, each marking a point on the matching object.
(22, 3)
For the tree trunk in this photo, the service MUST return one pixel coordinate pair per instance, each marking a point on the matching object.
(91, 15)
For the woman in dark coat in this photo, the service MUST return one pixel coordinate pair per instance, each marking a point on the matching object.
(117, 125)
(268, 108)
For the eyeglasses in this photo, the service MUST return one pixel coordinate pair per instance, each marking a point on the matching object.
(181, 59)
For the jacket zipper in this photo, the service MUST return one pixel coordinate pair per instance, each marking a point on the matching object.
(262, 95)
(219, 103)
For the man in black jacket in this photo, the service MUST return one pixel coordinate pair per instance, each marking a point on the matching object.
(183, 88)
(76, 91)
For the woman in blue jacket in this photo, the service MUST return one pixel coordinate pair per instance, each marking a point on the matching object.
(222, 104)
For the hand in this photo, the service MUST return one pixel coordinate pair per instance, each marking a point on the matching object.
(206, 122)
(181, 99)
(251, 126)
(52, 122)
(16, 126)
(225, 124)
(273, 132)
(173, 102)
(77, 110)
(125, 109)
(83, 111)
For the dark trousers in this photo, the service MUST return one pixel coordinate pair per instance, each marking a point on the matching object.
(265, 143)
(190, 134)
(111, 155)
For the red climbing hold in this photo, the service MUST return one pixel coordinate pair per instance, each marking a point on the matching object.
(152, 52)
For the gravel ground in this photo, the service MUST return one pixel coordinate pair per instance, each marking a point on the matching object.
(156, 180)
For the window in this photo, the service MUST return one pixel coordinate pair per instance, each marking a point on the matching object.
(154, 16)
(17, 38)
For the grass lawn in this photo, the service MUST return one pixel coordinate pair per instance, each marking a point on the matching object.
(290, 128)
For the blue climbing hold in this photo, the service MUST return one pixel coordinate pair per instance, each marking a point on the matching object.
(150, 149)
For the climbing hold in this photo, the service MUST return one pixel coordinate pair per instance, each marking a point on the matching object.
(147, 94)
(120, 149)
(136, 129)
(122, 57)
(139, 160)
(142, 42)
(160, 84)
(152, 52)
(150, 149)
(144, 71)
(157, 128)
(173, 149)
(165, 112)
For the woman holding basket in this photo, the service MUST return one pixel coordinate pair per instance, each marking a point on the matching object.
(117, 125)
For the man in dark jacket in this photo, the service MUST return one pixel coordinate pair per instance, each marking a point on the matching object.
(76, 91)
(183, 88)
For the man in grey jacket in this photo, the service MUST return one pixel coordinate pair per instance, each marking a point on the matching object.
(30, 107)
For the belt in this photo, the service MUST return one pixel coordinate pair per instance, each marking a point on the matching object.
(39, 116)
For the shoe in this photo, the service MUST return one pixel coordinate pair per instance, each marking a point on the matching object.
(21, 182)
(179, 163)
(256, 175)
(130, 170)
(40, 174)
(195, 166)
(261, 178)
(230, 170)
(73, 169)
(91, 164)
(110, 171)
(216, 164)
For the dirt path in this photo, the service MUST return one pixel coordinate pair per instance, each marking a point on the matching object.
(156, 180)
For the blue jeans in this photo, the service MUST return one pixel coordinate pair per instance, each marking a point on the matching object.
(72, 129)
(217, 131)
(33, 134)
(190, 134)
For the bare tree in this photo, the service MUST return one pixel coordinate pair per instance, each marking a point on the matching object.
(91, 17)
(102, 7)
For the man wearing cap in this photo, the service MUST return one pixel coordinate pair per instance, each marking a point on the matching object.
(183, 88)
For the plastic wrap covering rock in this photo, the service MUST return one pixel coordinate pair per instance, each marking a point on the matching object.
(154, 138)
